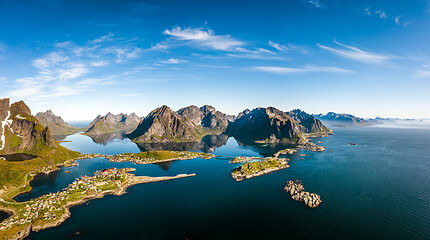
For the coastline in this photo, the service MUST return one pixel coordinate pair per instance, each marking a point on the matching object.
(20, 231)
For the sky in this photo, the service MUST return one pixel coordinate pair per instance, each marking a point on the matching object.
(82, 58)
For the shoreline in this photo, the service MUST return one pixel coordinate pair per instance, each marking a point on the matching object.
(18, 229)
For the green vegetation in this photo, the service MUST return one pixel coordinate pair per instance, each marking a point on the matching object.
(15, 141)
(155, 156)
(50, 208)
(257, 168)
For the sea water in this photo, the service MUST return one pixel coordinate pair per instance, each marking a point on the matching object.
(378, 188)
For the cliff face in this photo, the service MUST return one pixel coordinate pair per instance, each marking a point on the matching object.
(265, 125)
(56, 124)
(20, 131)
(342, 119)
(205, 116)
(111, 123)
(165, 125)
(308, 123)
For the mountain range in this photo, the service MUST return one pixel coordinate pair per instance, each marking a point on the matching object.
(56, 124)
(342, 119)
(190, 124)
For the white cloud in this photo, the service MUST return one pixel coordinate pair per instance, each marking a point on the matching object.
(62, 72)
(278, 46)
(205, 38)
(104, 38)
(305, 69)
(397, 20)
(356, 53)
(172, 61)
(367, 11)
(316, 3)
(99, 63)
(381, 14)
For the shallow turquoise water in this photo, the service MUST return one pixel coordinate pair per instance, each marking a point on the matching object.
(377, 189)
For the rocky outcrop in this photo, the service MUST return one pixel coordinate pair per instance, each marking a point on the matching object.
(343, 119)
(56, 124)
(165, 125)
(112, 123)
(296, 190)
(21, 132)
(266, 125)
(205, 116)
(308, 123)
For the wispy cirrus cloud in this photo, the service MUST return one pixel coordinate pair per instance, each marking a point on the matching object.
(357, 54)
(278, 46)
(205, 38)
(64, 71)
(173, 61)
(316, 3)
(304, 69)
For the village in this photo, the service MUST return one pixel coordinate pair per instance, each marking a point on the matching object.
(52, 206)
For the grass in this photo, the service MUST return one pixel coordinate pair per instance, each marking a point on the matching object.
(251, 168)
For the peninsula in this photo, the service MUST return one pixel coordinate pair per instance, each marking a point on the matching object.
(52, 209)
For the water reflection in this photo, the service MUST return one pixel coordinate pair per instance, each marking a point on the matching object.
(207, 144)
(105, 138)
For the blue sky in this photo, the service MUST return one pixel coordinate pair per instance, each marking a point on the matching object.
(84, 58)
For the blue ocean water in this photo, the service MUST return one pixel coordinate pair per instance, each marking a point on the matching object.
(376, 189)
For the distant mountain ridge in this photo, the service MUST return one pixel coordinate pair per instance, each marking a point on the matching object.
(342, 119)
(57, 125)
(111, 123)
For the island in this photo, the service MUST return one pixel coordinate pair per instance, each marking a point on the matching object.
(157, 156)
(296, 190)
(258, 168)
(52, 209)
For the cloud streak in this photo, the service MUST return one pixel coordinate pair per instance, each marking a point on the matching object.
(356, 54)
(205, 38)
(304, 69)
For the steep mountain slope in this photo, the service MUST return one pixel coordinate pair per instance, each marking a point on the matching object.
(25, 144)
(205, 116)
(342, 119)
(266, 125)
(308, 123)
(57, 125)
(165, 125)
(112, 123)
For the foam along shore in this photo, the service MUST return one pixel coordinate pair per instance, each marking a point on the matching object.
(52, 209)
(296, 190)
(258, 168)
(157, 156)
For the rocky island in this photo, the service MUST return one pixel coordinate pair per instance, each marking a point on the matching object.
(52, 209)
(258, 168)
(296, 190)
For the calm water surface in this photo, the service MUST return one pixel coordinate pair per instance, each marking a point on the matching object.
(376, 189)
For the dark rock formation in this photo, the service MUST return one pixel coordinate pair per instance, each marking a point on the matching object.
(165, 125)
(265, 125)
(56, 124)
(296, 190)
(332, 118)
(205, 116)
(112, 123)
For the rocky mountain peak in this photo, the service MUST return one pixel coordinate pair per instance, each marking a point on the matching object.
(19, 108)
